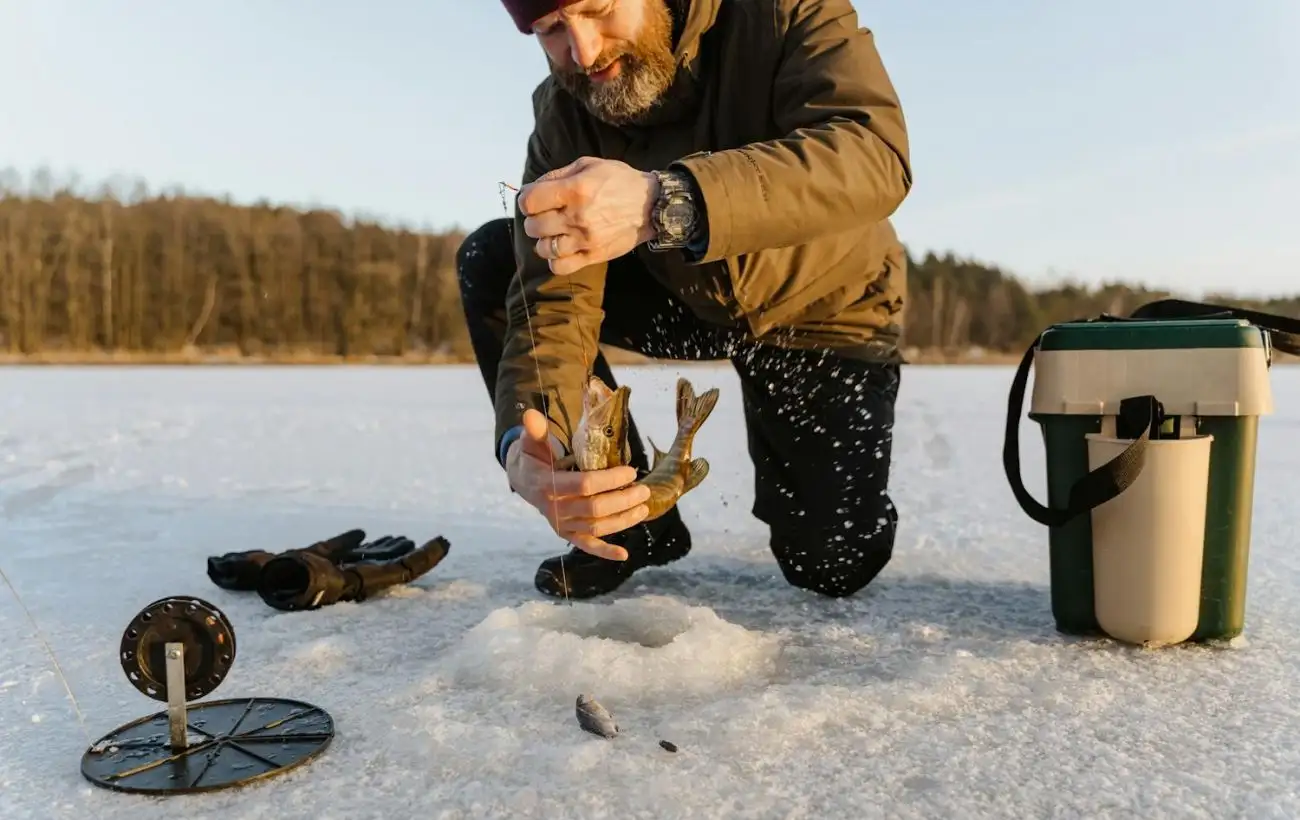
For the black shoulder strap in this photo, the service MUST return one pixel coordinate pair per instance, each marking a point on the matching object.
(1098, 486)
(1142, 412)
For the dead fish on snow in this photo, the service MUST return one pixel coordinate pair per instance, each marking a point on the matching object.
(594, 718)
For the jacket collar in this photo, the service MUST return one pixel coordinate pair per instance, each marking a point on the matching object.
(681, 99)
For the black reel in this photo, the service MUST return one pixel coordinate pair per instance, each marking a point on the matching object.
(203, 630)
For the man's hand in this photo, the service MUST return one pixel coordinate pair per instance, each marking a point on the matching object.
(590, 211)
(581, 507)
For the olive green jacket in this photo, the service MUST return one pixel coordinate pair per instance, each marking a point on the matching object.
(785, 116)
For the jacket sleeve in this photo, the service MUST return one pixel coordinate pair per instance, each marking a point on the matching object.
(843, 160)
(552, 322)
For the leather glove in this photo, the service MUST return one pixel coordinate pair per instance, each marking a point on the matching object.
(239, 571)
(307, 579)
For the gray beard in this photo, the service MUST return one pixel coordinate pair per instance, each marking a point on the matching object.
(635, 94)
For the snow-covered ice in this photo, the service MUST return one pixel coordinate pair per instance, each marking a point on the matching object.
(941, 690)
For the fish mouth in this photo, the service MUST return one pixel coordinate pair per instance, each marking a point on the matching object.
(604, 404)
(611, 410)
(595, 392)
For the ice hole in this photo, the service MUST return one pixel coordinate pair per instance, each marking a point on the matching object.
(651, 623)
(636, 649)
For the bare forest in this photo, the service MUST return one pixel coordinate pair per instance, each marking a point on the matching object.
(135, 275)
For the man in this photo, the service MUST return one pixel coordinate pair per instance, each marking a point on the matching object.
(706, 179)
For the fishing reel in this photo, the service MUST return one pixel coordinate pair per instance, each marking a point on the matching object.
(177, 650)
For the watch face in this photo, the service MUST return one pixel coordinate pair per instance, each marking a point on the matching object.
(678, 217)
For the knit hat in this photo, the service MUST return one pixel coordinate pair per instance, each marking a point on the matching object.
(527, 12)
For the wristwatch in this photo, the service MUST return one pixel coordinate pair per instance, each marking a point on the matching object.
(674, 214)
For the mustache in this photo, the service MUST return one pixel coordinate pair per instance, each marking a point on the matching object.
(606, 60)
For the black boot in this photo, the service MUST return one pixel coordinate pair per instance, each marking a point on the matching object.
(653, 544)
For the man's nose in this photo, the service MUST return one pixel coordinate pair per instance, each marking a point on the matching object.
(584, 42)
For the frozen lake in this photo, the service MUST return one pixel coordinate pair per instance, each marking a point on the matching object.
(942, 689)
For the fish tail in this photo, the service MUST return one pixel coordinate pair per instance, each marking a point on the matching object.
(692, 411)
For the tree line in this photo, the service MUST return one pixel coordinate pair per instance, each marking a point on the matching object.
(133, 272)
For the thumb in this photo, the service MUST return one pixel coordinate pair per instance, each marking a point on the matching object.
(535, 439)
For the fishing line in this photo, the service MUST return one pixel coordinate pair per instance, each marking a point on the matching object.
(49, 650)
(528, 317)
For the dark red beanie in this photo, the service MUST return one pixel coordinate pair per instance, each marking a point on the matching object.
(527, 12)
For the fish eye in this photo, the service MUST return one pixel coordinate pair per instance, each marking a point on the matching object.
(609, 431)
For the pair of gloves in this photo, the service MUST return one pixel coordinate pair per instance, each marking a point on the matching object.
(342, 568)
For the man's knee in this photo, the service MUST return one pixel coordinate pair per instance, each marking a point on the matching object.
(835, 560)
(485, 262)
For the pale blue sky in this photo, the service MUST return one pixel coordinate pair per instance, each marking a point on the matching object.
(1137, 139)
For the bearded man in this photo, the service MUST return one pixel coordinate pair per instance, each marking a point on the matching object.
(705, 180)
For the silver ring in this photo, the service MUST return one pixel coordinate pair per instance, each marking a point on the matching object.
(555, 246)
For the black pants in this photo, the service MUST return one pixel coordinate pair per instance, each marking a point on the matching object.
(819, 425)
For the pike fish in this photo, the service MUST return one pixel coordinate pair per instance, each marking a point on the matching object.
(601, 441)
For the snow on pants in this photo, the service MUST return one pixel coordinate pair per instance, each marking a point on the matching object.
(819, 425)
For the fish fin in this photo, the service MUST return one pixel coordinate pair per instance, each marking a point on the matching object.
(692, 411)
(566, 462)
(657, 454)
(699, 469)
(685, 398)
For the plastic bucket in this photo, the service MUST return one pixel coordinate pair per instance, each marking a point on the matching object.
(1148, 543)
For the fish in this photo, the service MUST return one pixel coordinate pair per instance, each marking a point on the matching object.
(600, 441)
(675, 473)
(594, 718)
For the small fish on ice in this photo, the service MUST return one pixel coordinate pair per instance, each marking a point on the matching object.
(594, 718)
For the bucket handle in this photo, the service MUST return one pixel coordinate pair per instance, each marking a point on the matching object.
(1283, 331)
(1098, 486)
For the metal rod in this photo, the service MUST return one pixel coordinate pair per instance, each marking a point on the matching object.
(176, 696)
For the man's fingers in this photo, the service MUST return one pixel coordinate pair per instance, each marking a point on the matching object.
(535, 426)
(607, 525)
(599, 548)
(560, 246)
(544, 195)
(607, 503)
(572, 263)
(535, 439)
(553, 189)
(617, 523)
(546, 224)
(594, 482)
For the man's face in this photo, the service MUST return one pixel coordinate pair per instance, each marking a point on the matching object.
(615, 56)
